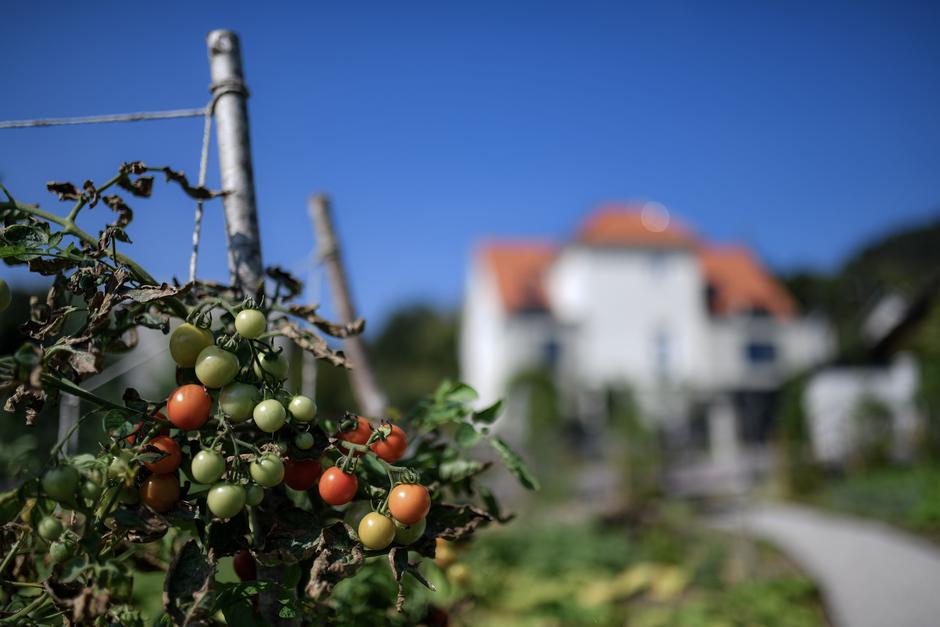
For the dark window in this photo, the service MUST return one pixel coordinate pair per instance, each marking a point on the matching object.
(551, 351)
(711, 297)
(761, 352)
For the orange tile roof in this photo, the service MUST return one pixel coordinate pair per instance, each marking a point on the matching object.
(741, 283)
(634, 225)
(519, 268)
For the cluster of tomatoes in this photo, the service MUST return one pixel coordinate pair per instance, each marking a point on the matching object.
(237, 399)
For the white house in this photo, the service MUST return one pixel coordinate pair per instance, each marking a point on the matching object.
(702, 334)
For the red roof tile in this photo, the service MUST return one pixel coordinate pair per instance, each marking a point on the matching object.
(741, 283)
(634, 225)
(519, 268)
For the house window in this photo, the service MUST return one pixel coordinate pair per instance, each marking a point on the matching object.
(661, 349)
(760, 352)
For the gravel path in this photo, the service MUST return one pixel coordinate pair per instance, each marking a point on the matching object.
(872, 575)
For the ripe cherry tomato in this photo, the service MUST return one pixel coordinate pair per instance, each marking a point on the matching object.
(409, 503)
(301, 474)
(376, 531)
(409, 534)
(271, 365)
(304, 440)
(302, 408)
(359, 435)
(60, 483)
(160, 492)
(237, 400)
(337, 487)
(267, 470)
(208, 466)
(171, 461)
(189, 406)
(393, 447)
(226, 499)
(216, 366)
(250, 323)
(269, 415)
(245, 566)
(5, 296)
(186, 342)
(50, 529)
(254, 494)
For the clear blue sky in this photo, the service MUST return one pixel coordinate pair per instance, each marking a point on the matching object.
(801, 130)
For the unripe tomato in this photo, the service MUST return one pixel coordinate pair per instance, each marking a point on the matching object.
(160, 492)
(301, 474)
(302, 408)
(269, 415)
(90, 490)
(359, 435)
(237, 400)
(216, 366)
(130, 496)
(354, 514)
(409, 503)
(50, 529)
(187, 341)
(226, 500)
(304, 441)
(393, 447)
(5, 296)
(271, 365)
(171, 461)
(250, 323)
(60, 551)
(338, 487)
(189, 406)
(208, 466)
(376, 531)
(61, 483)
(254, 494)
(409, 534)
(245, 566)
(267, 470)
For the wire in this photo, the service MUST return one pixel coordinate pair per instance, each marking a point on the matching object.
(105, 119)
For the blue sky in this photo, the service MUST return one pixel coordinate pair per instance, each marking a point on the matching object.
(800, 129)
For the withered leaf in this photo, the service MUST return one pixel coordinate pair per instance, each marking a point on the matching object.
(142, 525)
(90, 193)
(141, 187)
(64, 190)
(50, 266)
(84, 362)
(398, 560)
(338, 556)
(313, 343)
(187, 583)
(291, 284)
(309, 313)
(149, 293)
(31, 399)
(117, 204)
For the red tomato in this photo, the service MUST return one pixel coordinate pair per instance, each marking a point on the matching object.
(189, 406)
(301, 474)
(359, 435)
(392, 448)
(160, 492)
(337, 487)
(409, 502)
(245, 566)
(173, 457)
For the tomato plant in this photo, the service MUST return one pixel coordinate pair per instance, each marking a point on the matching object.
(236, 432)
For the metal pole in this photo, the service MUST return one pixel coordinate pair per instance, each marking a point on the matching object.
(69, 411)
(367, 393)
(231, 122)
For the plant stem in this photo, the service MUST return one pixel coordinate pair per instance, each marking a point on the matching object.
(39, 602)
(9, 556)
(72, 388)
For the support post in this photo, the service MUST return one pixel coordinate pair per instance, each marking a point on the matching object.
(69, 413)
(368, 396)
(231, 123)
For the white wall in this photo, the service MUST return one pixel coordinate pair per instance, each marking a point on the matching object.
(482, 334)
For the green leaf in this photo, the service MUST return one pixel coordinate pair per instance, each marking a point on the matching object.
(462, 393)
(460, 469)
(514, 463)
(466, 435)
(188, 581)
(488, 415)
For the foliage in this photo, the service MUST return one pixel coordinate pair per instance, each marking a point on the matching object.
(125, 508)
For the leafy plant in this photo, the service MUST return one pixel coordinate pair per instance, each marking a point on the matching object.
(230, 463)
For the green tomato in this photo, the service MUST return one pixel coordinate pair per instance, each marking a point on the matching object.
(409, 534)
(254, 494)
(120, 468)
(208, 466)
(60, 552)
(376, 531)
(187, 341)
(90, 490)
(302, 408)
(5, 296)
(237, 400)
(215, 366)
(129, 495)
(271, 365)
(250, 323)
(269, 415)
(267, 470)
(61, 483)
(304, 441)
(226, 500)
(50, 528)
(355, 512)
